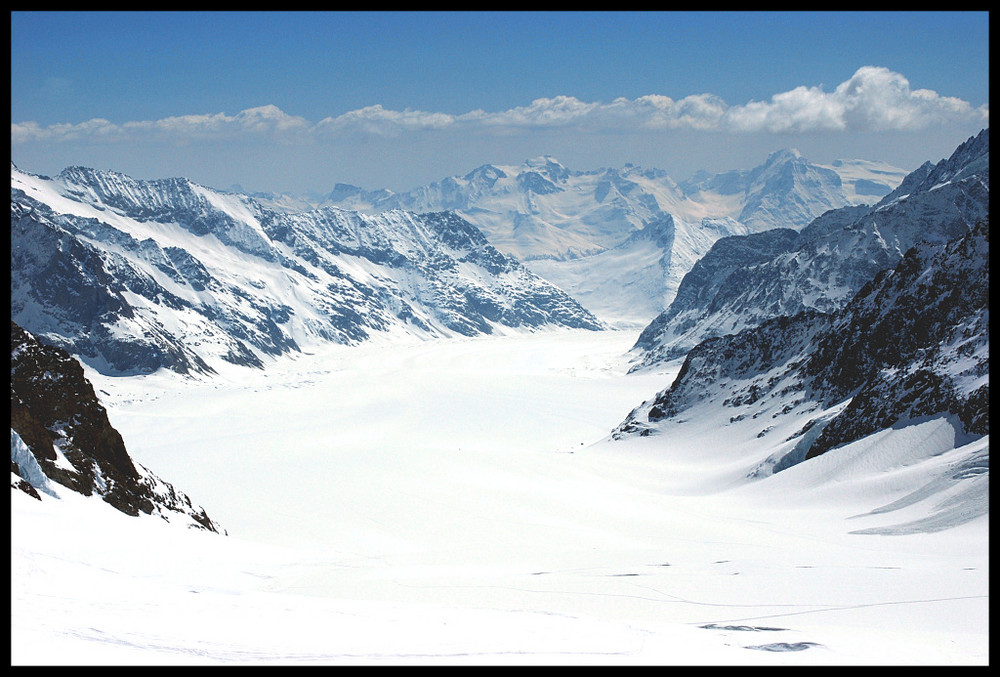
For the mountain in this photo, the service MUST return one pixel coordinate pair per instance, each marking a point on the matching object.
(744, 280)
(539, 209)
(910, 348)
(579, 229)
(786, 191)
(60, 434)
(633, 281)
(134, 276)
(542, 210)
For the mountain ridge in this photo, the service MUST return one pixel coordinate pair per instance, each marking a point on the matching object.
(822, 265)
(911, 346)
(135, 275)
(569, 225)
(545, 192)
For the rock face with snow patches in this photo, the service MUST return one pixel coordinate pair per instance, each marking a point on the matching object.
(745, 280)
(134, 276)
(911, 345)
(60, 434)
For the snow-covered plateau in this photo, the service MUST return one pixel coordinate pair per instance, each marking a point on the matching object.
(461, 501)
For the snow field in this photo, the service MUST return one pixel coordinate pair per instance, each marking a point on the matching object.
(457, 502)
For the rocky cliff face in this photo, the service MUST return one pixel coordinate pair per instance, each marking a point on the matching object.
(912, 343)
(60, 434)
(745, 280)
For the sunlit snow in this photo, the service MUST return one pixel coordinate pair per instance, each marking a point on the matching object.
(459, 502)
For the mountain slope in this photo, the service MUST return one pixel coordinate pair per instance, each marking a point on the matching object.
(635, 280)
(823, 265)
(134, 276)
(910, 348)
(785, 191)
(60, 434)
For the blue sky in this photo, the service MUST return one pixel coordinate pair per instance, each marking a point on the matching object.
(299, 100)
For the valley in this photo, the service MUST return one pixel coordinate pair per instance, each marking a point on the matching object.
(691, 442)
(460, 502)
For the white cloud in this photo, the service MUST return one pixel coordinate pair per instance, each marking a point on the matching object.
(874, 99)
(383, 122)
(877, 99)
(559, 111)
(31, 131)
(262, 120)
(802, 109)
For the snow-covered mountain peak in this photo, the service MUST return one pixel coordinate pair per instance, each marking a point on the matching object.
(485, 175)
(549, 164)
(783, 155)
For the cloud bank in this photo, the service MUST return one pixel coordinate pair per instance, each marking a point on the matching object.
(874, 99)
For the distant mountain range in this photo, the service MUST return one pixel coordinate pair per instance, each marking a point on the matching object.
(541, 209)
(581, 229)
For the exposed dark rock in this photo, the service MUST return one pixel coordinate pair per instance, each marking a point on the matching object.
(55, 412)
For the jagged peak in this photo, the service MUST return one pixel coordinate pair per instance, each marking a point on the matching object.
(783, 155)
(82, 174)
(487, 170)
(548, 165)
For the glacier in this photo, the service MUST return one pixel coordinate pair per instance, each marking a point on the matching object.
(416, 443)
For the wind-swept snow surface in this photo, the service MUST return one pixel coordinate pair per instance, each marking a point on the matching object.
(457, 502)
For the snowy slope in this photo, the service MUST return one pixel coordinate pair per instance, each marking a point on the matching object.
(911, 349)
(138, 275)
(865, 181)
(636, 280)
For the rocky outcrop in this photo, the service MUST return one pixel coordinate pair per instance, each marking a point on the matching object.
(60, 433)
